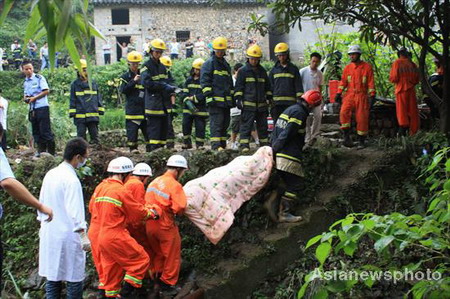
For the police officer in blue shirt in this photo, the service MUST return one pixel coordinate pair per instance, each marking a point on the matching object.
(35, 94)
(17, 191)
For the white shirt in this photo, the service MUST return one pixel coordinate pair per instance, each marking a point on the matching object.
(174, 48)
(235, 110)
(61, 257)
(106, 49)
(3, 112)
(311, 79)
(44, 51)
(14, 46)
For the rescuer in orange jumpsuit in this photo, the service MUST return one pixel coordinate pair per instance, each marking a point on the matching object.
(136, 186)
(405, 76)
(114, 251)
(358, 79)
(164, 238)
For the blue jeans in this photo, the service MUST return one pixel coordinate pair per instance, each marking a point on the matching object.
(74, 290)
(45, 63)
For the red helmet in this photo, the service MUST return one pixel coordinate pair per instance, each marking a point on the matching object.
(312, 97)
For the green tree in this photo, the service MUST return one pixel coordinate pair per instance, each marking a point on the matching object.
(395, 22)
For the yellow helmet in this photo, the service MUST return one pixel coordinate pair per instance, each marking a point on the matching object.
(158, 44)
(83, 64)
(165, 60)
(254, 52)
(134, 56)
(197, 64)
(220, 43)
(281, 48)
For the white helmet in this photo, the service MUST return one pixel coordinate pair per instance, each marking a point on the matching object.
(120, 165)
(177, 161)
(142, 169)
(354, 49)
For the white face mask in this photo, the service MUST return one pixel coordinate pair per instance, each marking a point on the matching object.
(81, 164)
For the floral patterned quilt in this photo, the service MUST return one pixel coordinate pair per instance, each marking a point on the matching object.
(213, 198)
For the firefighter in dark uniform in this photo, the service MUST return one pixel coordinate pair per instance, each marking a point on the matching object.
(288, 139)
(252, 93)
(194, 107)
(17, 56)
(217, 86)
(154, 79)
(85, 105)
(134, 106)
(285, 80)
(170, 102)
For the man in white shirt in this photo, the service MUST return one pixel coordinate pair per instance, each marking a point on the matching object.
(43, 54)
(312, 79)
(63, 242)
(107, 52)
(200, 47)
(3, 117)
(174, 49)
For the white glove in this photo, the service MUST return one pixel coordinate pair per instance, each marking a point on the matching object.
(85, 243)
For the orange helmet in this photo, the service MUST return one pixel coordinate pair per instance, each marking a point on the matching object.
(312, 97)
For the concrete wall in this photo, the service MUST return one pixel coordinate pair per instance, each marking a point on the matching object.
(162, 21)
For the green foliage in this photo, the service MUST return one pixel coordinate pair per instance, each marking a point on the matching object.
(393, 238)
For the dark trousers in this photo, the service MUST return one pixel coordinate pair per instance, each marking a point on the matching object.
(133, 127)
(107, 58)
(91, 126)
(291, 185)
(276, 111)
(170, 133)
(173, 56)
(3, 143)
(41, 128)
(53, 290)
(246, 127)
(200, 126)
(157, 128)
(219, 120)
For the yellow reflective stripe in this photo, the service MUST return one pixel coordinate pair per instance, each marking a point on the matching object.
(153, 141)
(187, 111)
(238, 93)
(224, 138)
(206, 89)
(299, 94)
(158, 112)
(88, 91)
(169, 110)
(228, 98)
(95, 114)
(101, 109)
(284, 116)
(290, 195)
(194, 86)
(109, 200)
(72, 110)
(200, 113)
(263, 140)
(215, 138)
(434, 83)
(199, 139)
(288, 157)
(361, 133)
(295, 120)
(268, 93)
(185, 90)
(221, 73)
(143, 69)
(349, 79)
(80, 115)
(209, 100)
(232, 91)
(346, 125)
(128, 116)
(284, 98)
(247, 103)
(139, 86)
(112, 293)
(284, 75)
(160, 76)
(219, 99)
(261, 80)
(301, 131)
(244, 141)
(250, 79)
(79, 93)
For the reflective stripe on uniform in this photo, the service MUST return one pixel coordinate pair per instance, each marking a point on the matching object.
(154, 141)
(250, 79)
(361, 133)
(102, 109)
(284, 116)
(158, 77)
(206, 89)
(139, 86)
(220, 73)
(72, 110)
(346, 125)
(288, 157)
(109, 200)
(269, 93)
(94, 114)
(284, 75)
(215, 138)
(197, 139)
(243, 141)
(284, 98)
(239, 93)
(295, 120)
(133, 279)
(194, 86)
(299, 94)
(158, 192)
(80, 115)
(113, 294)
(134, 116)
(157, 112)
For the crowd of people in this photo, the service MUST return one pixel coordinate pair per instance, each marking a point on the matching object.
(133, 235)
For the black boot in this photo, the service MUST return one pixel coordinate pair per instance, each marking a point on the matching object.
(51, 147)
(347, 139)
(128, 291)
(361, 142)
(402, 131)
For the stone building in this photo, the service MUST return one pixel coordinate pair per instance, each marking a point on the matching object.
(137, 20)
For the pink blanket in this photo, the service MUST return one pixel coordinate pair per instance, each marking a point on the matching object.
(214, 198)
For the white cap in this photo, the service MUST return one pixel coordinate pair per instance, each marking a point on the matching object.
(142, 169)
(354, 49)
(177, 161)
(120, 165)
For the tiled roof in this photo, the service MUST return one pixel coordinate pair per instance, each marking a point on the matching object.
(140, 2)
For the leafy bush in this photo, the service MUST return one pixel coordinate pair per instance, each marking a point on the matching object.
(401, 242)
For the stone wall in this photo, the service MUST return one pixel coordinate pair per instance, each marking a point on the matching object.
(162, 21)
